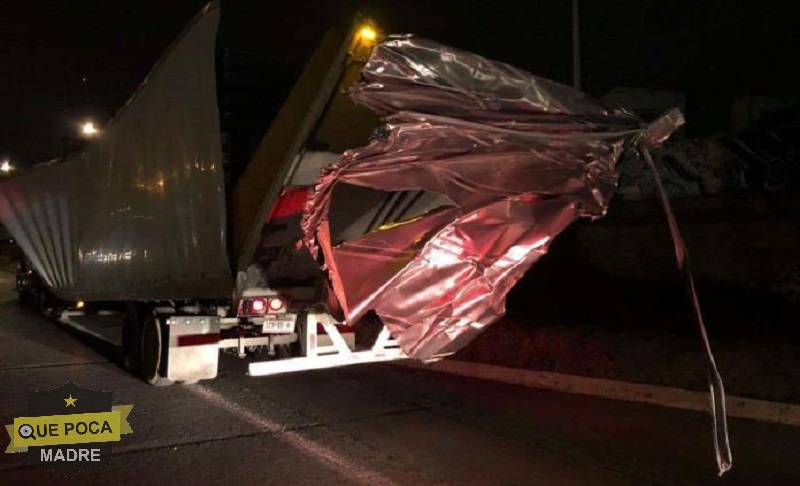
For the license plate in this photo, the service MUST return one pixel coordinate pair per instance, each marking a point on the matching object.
(278, 323)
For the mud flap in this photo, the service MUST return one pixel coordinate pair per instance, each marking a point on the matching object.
(193, 348)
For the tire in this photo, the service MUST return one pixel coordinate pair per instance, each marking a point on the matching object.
(41, 301)
(24, 299)
(132, 340)
(152, 352)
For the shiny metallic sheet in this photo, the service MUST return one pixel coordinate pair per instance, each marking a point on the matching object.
(519, 157)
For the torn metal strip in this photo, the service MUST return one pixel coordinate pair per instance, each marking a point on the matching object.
(722, 445)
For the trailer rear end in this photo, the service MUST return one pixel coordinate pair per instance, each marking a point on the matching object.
(475, 167)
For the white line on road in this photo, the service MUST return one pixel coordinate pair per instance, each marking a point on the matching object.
(762, 410)
(52, 365)
(317, 451)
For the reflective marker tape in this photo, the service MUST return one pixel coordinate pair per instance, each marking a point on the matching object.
(198, 339)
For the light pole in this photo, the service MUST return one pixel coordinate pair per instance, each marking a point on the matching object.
(6, 167)
(576, 47)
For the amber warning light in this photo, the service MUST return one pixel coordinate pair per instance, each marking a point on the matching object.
(365, 37)
(367, 33)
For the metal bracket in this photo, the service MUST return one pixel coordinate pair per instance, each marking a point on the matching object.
(329, 356)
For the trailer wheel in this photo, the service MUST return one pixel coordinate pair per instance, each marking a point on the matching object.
(132, 340)
(41, 301)
(24, 299)
(153, 365)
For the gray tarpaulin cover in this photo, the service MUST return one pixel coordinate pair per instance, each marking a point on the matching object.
(517, 157)
(140, 213)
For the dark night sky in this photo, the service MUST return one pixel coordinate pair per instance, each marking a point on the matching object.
(713, 50)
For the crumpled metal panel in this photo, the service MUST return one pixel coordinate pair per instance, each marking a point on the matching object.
(141, 213)
(519, 157)
(500, 183)
(408, 73)
(660, 130)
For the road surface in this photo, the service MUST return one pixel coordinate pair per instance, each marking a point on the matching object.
(374, 424)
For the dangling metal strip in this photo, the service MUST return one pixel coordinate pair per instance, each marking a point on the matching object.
(722, 445)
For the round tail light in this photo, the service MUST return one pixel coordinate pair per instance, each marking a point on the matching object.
(258, 305)
(276, 304)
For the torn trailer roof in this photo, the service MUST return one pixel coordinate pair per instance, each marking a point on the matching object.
(491, 164)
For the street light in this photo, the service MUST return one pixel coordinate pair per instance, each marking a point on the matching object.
(576, 47)
(6, 167)
(88, 129)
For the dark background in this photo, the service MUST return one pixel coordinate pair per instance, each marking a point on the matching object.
(65, 61)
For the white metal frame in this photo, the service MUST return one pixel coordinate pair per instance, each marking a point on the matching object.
(314, 356)
(328, 356)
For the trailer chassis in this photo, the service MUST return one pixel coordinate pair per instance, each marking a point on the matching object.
(186, 348)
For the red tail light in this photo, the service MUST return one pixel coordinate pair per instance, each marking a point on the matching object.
(260, 306)
(252, 307)
(277, 304)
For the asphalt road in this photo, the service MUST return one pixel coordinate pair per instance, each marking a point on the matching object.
(370, 425)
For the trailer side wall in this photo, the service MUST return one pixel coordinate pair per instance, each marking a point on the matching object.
(140, 214)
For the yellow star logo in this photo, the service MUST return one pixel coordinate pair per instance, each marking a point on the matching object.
(70, 401)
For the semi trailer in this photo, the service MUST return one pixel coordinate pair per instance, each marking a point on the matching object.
(399, 193)
(389, 227)
(141, 222)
